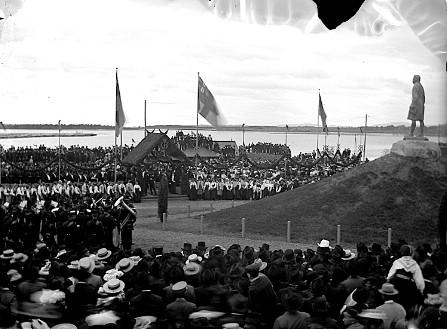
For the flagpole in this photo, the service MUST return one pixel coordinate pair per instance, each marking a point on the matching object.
(285, 159)
(197, 124)
(121, 145)
(364, 138)
(116, 122)
(144, 118)
(318, 119)
(338, 138)
(59, 153)
(355, 143)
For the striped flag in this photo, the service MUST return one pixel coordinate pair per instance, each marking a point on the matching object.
(207, 106)
(120, 118)
(322, 114)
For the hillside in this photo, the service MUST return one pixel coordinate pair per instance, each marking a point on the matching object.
(392, 191)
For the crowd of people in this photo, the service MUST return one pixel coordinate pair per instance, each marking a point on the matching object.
(92, 285)
(269, 148)
(188, 141)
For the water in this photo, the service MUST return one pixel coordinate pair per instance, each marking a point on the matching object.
(376, 146)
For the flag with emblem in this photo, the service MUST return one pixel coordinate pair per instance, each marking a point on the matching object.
(120, 118)
(322, 113)
(207, 106)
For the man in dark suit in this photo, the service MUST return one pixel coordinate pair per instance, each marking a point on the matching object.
(179, 310)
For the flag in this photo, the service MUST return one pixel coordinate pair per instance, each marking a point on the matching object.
(2, 125)
(322, 114)
(120, 118)
(207, 106)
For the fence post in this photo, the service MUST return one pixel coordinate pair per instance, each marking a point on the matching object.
(243, 227)
(338, 234)
(189, 211)
(211, 206)
(165, 219)
(201, 224)
(288, 231)
(389, 237)
(232, 203)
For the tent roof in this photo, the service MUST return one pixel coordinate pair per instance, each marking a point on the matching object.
(146, 146)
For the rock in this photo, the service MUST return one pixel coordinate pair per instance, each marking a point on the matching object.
(417, 148)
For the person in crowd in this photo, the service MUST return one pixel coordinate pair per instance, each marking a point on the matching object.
(394, 311)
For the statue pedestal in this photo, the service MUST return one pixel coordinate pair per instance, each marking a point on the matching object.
(417, 147)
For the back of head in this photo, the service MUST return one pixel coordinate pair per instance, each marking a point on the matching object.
(293, 301)
(405, 250)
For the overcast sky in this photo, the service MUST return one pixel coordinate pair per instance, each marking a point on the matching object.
(263, 62)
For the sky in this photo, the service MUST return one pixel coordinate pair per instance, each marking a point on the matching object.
(264, 60)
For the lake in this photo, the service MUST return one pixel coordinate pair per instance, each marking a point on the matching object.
(376, 144)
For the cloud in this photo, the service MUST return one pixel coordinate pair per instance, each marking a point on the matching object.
(59, 58)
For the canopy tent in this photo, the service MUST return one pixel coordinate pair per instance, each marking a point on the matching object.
(162, 144)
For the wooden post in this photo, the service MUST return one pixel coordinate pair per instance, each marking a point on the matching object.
(211, 206)
(164, 221)
(389, 237)
(288, 231)
(243, 227)
(338, 234)
(201, 224)
(189, 211)
(232, 203)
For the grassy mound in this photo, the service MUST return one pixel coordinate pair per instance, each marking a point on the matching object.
(392, 191)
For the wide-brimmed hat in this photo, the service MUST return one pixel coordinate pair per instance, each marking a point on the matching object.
(388, 289)
(324, 244)
(113, 273)
(125, 265)
(194, 258)
(179, 287)
(135, 259)
(231, 325)
(45, 270)
(103, 253)
(113, 286)
(263, 264)
(253, 267)
(61, 253)
(348, 255)
(19, 258)
(192, 268)
(13, 275)
(64, 326)
(372, 314)
(7, 254)
(74, 265)
(87, 264)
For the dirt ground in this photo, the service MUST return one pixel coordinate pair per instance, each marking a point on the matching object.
(182, 227)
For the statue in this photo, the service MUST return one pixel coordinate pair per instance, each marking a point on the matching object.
(416, 112)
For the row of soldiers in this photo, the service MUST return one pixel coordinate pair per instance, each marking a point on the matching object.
(67, 220)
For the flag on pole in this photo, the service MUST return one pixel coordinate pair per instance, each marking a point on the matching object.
(2, 125)
(120, 118)
(207, 106)
(322, 114)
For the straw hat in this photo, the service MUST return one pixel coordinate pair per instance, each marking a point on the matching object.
(263, 264)
(7, 254)
(103, 253)
(179, 287)
(388, 289)
(64, 326)
(86, 263)
(194, 258)
(113, 286)
(125, 265)
(192, 268)
(348, 255)
(112, 274)
(74, 265)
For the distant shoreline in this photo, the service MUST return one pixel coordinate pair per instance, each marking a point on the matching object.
(389, 130)
(38, 135)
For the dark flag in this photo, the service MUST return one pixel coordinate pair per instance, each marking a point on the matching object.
(207, 106)
(322, 114)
